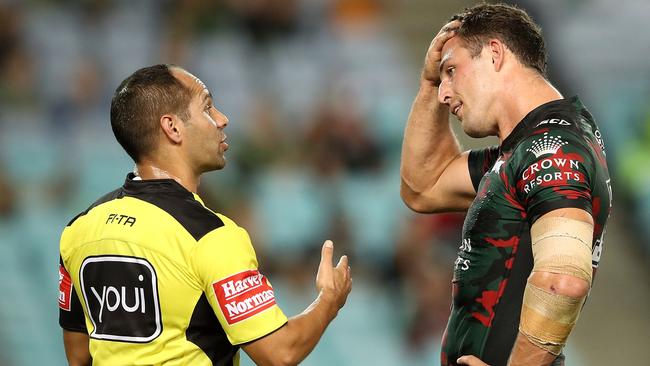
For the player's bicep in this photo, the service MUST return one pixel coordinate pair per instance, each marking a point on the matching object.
(452, 192)
(455, 184)
(570, 213)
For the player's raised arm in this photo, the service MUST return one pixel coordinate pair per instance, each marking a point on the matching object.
(290, 344)
(434, 172)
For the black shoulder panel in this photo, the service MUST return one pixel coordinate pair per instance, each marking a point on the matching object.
(190, 213)
(205, 331)
(118, 193)
(170, 197)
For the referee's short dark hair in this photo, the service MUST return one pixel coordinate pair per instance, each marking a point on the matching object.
(507, 23)
(140, 101)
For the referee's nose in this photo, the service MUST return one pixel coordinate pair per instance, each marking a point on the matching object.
(222, 120)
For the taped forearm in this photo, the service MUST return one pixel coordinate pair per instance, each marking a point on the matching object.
(560, 246)
(547, 319)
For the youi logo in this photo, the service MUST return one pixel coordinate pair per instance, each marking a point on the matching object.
(121, 295)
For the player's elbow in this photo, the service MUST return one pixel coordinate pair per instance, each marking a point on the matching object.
(571, 286)
(415, 200)
(562, 284)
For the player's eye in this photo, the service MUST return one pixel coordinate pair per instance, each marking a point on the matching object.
(450, 71)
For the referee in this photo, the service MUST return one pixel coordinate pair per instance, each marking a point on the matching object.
(149, 275)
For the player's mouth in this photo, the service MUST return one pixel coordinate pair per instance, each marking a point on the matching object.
(455, 109)
(224, 144)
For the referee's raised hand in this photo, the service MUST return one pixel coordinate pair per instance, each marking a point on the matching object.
(333, 283)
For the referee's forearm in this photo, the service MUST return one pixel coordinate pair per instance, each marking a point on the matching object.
(303, 331)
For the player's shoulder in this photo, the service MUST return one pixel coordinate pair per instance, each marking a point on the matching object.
(566, 118)
(548, 144)
(561, 129)
(555, 130)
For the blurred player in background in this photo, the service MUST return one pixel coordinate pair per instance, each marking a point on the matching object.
(536, 204)
(149, 275)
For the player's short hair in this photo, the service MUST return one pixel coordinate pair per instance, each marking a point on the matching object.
(140, 101)
(507, 23)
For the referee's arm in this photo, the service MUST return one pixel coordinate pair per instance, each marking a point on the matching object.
(76, 348)
(290, 344)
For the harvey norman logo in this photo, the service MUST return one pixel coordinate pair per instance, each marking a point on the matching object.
(243, 295)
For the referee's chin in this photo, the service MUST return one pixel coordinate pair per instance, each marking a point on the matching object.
(216, 165)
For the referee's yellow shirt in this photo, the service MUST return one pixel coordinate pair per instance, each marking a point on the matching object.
(156, 278)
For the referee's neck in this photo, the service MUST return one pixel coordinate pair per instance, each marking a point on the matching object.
(148, 170)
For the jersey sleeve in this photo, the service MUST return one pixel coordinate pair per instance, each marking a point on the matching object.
(480, 161)
(71, 315)
(241, 297)
(554, 171)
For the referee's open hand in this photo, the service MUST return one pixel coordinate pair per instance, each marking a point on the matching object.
(334, 283)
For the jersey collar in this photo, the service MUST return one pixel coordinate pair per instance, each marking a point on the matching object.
(133, 185)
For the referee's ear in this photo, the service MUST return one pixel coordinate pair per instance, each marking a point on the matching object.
(172, 127)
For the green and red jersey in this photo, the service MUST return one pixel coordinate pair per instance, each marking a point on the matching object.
(554, 158)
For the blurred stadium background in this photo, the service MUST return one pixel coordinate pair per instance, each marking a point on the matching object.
(317, 92)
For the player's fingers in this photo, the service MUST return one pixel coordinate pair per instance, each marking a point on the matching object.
(453, 25)
(326, 256)
(470, 360)
(442, 38)
(446, 36)
(448, 28)
(447, 32)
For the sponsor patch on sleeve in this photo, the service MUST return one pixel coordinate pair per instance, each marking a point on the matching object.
(243, 295)
(65, 289)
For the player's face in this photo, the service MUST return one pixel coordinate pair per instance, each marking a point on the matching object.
(203, 137)
(466, 88)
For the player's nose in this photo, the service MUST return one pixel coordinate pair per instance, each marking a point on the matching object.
(444, 92)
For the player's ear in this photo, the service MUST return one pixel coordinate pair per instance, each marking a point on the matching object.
(497, 53)
(172, 127)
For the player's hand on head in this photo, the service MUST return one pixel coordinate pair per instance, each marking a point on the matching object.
(333, 282)
(431, 70)
(471, 361)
